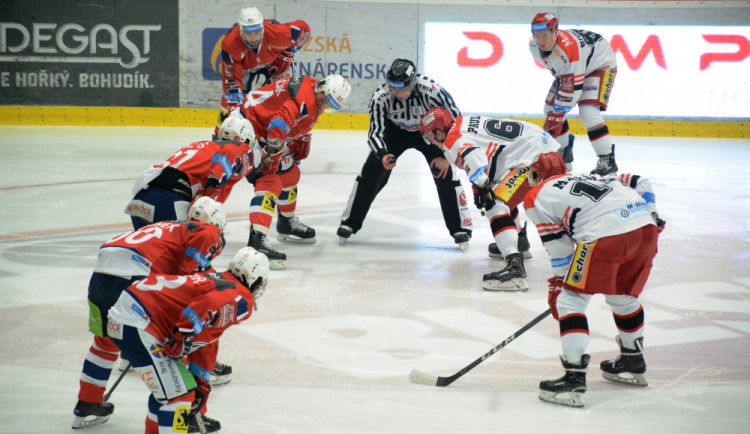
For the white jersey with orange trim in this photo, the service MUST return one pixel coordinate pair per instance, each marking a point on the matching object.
(488, 148)
(576, 208)
(576, 54)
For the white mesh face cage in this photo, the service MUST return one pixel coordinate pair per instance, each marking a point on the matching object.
(248, 265)
(207, 210)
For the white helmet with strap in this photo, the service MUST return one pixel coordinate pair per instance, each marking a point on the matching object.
(206, 210)
(236, 127)
(252, 269)
(250, 20)
(336, 90)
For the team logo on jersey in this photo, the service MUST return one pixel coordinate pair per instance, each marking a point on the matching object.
(579, 267)
(157, 351)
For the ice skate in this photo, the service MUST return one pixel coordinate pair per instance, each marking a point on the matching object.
(510, 278)
(89, 414)
(629, 362)
(462, 240)
(494, 251)
(259, 241)
(344, 232)
(222, 374)
(291, 230)
(606, 164)
(567, 153)
(568, 389)
(209, 425)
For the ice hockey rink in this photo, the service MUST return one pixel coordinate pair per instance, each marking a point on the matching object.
(337, 333)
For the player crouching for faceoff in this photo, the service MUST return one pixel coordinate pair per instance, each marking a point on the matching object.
(206, 168)
(160, 320)
(495, 154)
(601, 234)
(172, 247)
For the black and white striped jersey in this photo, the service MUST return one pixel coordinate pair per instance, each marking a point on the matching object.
(407, 115)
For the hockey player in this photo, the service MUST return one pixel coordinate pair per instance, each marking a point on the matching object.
(396, 108)
(263, 48)
(283, 115)
(208, 168)
(584, 67)
(601, 234)
(171, 247)
(159, 320)
(495, 154)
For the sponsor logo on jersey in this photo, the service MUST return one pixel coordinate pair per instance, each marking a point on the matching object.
(180, 421)
(147, 376)
(579, 268)
(632, 210)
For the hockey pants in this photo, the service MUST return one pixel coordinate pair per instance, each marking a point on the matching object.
(271, 191)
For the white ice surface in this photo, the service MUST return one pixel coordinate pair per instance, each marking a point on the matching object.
(336, 335)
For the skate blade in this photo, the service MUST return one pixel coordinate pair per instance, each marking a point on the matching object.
(277, 264)
(87, 421)
(636, 379)
(342, 241)
(496, 256)
(218, 381)
(570, 399)
(294, 240)
(527, 254)
(463, 246)
(518, 284)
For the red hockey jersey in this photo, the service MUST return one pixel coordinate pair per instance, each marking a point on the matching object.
(205, 304)
(237, 56)
(212, 168)
(173, 247)
(285, 108)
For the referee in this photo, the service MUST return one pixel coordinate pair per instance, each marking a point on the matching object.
(396, 109)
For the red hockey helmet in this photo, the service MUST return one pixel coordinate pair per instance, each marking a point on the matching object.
(436, 119)
(544, 21)
(546, 166)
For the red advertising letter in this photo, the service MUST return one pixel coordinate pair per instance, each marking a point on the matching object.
(634, 63)
(463, 58)
(743, 49)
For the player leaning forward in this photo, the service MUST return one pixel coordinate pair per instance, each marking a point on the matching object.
(601, 234)
(495, 154)
(160, 320)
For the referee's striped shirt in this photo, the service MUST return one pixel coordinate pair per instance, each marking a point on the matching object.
(384, 107)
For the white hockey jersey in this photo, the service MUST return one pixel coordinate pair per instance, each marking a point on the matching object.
(488, 148)
(576, 54)
(583, 208)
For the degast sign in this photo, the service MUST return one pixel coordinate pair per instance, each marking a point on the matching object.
(662, 71)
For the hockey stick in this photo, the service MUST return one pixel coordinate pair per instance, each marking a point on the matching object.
(420, 377)
(114, 386)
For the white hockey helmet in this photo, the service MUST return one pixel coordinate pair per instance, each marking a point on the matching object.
(336, 90)
(251, 268)
(250, 20)
(206, 210)
(236, 127)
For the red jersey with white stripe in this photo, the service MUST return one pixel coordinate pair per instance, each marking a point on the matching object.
(576, 54)
(204, 304)
(578, 208)
(237, 56)
(212, 168)
(173, 247)
(482, 145)
(285, 108)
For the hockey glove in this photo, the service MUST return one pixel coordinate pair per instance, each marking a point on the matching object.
(554, 123)
(270, 164)
(280, 64)
(555, 288)
(484, 197)
(179, 344)
(300, 147)
(660, 224)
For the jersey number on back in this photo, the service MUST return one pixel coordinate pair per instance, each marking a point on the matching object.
(506, 130)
